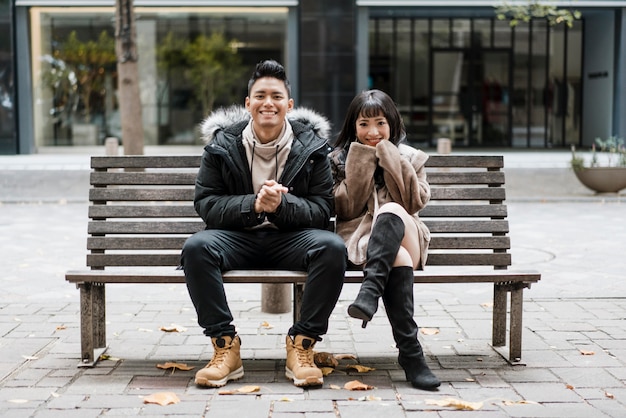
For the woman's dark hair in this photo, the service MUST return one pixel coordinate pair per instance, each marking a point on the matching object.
(269, 68)
(371, 103)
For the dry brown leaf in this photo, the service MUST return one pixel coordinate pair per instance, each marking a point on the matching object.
(356, 385)
(429, 331)
(359, 368)
(455, 403)
(173, 328)
(326, 370)
(266, 325)
(179, 366)
(587, 352)
(609, 395)
(345, 356)
(162, 398)
(570, 387)
(60, 327)
(323, 359)
(243, 389)
(487, 304)
(335, 387)
(522, 402)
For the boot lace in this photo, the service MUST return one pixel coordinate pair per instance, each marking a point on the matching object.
(305, 357)
(219, 356)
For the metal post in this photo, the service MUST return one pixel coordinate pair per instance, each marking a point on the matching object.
(111, 146)
(276, 297)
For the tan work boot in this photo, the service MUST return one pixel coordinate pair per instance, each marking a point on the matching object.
(226, 363)
(300, 365)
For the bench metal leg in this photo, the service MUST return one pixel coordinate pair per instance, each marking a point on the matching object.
(298, 293)
(499, 315)
(515, 337)
(92, 323)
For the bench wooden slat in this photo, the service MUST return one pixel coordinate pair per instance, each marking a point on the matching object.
(465, 259)
(135, 243)
(157, 195)
(286, 276)
(451, 193)
(162, 178)
(136, 211)
(146, 161)
(175, 243)
(495, 178)
(467, 226)
(466, 161)
(435, 210)
(130, 260)
(482, 243)
(179, 227)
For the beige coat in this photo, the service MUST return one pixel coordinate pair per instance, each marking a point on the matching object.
(400, 178)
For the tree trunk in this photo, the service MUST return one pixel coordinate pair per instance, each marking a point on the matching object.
(128, 78)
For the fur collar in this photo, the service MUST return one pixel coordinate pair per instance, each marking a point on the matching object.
(223, 118)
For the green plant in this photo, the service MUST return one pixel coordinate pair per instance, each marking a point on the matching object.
(211, 64)
(517, 12)
(611, 149)
(88, 61)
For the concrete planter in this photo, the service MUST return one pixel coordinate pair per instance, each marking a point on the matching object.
(602, 179)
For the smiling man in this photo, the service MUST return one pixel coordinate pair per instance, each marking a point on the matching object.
(264, 191)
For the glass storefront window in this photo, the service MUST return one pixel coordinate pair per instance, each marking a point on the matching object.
(191, 60)
(8, 141)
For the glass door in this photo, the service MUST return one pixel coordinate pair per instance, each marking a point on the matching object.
(469, 97)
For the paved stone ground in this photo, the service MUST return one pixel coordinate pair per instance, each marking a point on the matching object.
(574, 350)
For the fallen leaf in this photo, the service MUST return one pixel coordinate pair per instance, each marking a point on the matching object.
(107, 357)
(335, 387)
(243, 389)
(174, 366)
(285, 400)
(455, 403)
(570, 387)
(587, 353)
(356, 385)
(429, 331)
(60, 327)
(609, 395)
(323, 359)
(469, 379)
(173, 328)
(345, 356)
(522, 402)
(487, 304)
(162, 398)
(30, 357)
(369, 398)
(266, 325)
(326, 370)
(359, 368)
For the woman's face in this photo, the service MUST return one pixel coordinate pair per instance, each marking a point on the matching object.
(370, 131)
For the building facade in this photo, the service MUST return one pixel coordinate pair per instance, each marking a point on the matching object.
(452, 67)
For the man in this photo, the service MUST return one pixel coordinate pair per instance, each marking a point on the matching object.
(264, 190)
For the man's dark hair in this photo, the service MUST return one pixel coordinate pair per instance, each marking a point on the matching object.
(269, 68)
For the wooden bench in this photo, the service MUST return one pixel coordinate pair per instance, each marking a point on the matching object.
(142, 211)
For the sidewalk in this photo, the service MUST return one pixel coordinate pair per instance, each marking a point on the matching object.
(574, 349)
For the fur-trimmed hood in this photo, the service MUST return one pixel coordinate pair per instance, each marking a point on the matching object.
(224, 118)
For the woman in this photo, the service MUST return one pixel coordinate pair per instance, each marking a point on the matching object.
(379, 186)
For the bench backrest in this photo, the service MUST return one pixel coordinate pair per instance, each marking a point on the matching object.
(142, 211)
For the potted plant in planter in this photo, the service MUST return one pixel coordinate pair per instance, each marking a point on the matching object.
(606, 172)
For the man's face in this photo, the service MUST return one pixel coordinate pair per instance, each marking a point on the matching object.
(268, 104)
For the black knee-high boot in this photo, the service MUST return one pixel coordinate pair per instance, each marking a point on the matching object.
(382, 249)
(398, 300)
